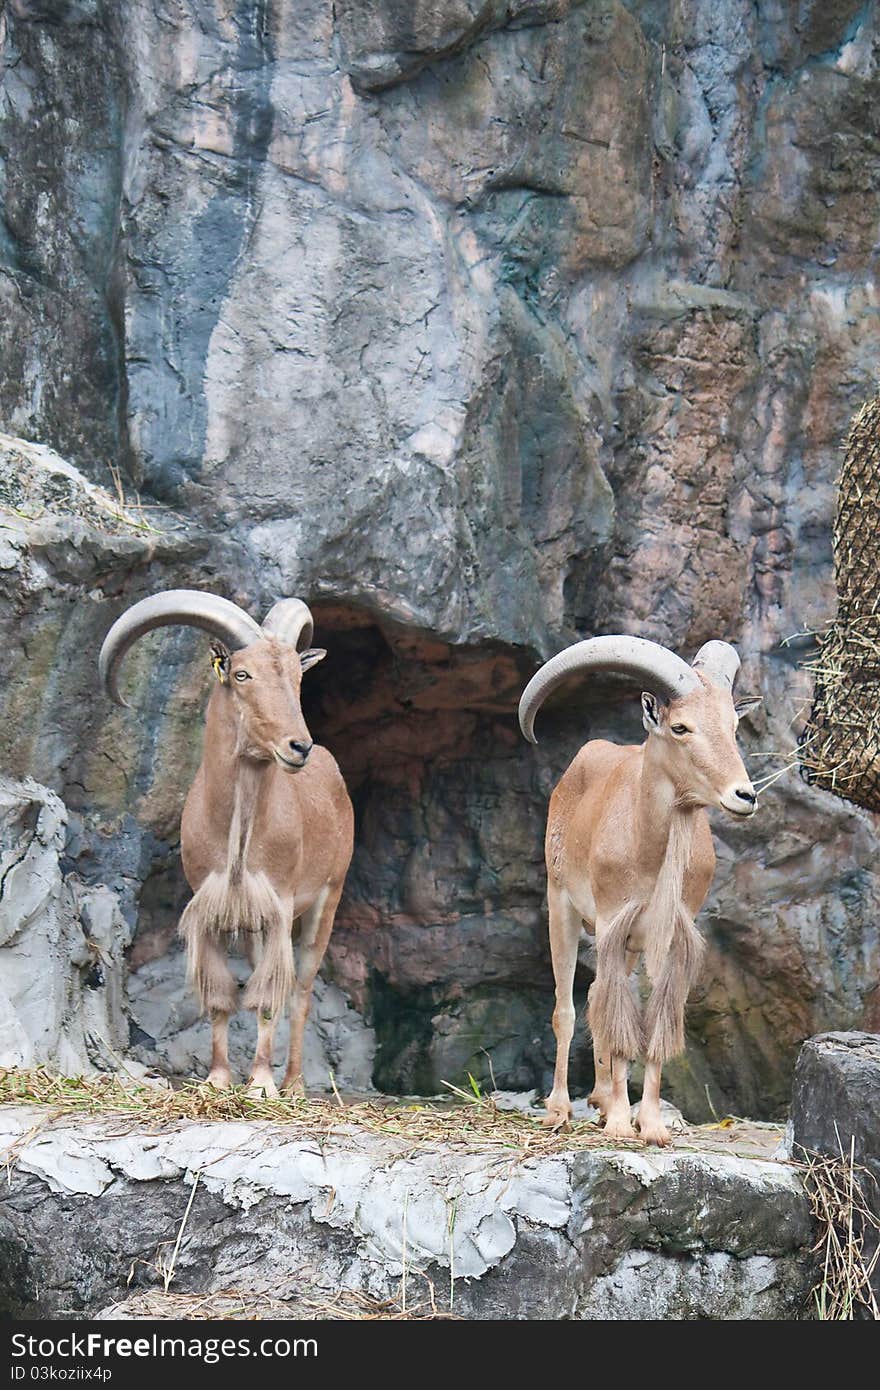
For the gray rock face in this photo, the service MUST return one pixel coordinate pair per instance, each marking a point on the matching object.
(66, 999)
(483, 326)
(835, 1108)
(589, 1235)
(61, 946)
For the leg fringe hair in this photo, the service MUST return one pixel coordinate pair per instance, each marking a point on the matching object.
(613, 1011)
(216, 914)
(664, 1021)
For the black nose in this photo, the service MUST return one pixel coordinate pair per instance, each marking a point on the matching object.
(302, 750)
(748, 797)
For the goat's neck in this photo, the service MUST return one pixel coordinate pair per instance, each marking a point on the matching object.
(235, 784)
(658, 809)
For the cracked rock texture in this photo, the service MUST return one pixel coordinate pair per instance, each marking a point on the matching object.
(67, 1001)
(589, 1235)
(483, 325)
(835, 1106)
(61, 946)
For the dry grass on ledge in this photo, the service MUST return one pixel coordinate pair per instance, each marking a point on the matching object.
(245, 1305)
(848, 1246)
(469, 1125)
(466, 1124)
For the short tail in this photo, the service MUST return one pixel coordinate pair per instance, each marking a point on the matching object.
(664, 1023)
(613, 1011)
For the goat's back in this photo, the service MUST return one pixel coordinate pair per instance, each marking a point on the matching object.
(599, 771)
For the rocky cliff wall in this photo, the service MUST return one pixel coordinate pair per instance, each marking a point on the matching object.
(482, 326)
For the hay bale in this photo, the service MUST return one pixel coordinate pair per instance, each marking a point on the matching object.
(839, 748)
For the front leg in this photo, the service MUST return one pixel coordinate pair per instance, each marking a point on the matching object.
(272, 956)
(220, 1077)
(614, 1018)
(262, 1083)
(600, 1096)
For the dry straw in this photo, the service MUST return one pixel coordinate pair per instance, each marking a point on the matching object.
(249, 1305)
(839, 748)
(471, 1124)
(849, 1241)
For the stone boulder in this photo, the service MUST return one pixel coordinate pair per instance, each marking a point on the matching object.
(169, 1037)
(68, 1001)
(595, 1234)
(62, 968)
(835, 1110)
(836, 1097)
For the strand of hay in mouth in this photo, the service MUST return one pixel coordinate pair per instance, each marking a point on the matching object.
(839, 748)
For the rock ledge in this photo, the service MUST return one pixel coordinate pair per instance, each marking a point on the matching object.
(589, 1234)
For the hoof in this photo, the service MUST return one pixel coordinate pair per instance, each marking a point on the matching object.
(262, 1088)
(557, 1117)
(219, 1080)
(655, 1134)
(619, 1129)
(294, 1088)
(600, 1100)
(558, 1110)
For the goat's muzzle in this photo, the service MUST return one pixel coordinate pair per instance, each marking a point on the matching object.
(292, 754)
(740, 801)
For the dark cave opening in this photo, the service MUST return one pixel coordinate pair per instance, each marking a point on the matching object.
(438, 938)
(441, 936)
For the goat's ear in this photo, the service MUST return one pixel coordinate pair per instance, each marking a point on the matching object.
(311, 656)
(651, 713)
(747, 702)
(220, 661)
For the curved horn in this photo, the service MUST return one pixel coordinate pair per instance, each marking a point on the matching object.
(718, 662)
(290, 621)
(645, 663)
(188, 607)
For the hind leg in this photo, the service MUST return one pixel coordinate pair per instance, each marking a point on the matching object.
(262, 1083)
(565, 932)
(651, 1126)
(315, 927)
(610, 1093)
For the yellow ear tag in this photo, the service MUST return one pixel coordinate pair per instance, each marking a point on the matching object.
(217, 663)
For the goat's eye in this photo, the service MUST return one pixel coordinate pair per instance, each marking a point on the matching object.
(242, 676)
(680, 729)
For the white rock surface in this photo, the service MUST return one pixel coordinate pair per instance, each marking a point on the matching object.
(61, 946)
(595, 1234)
